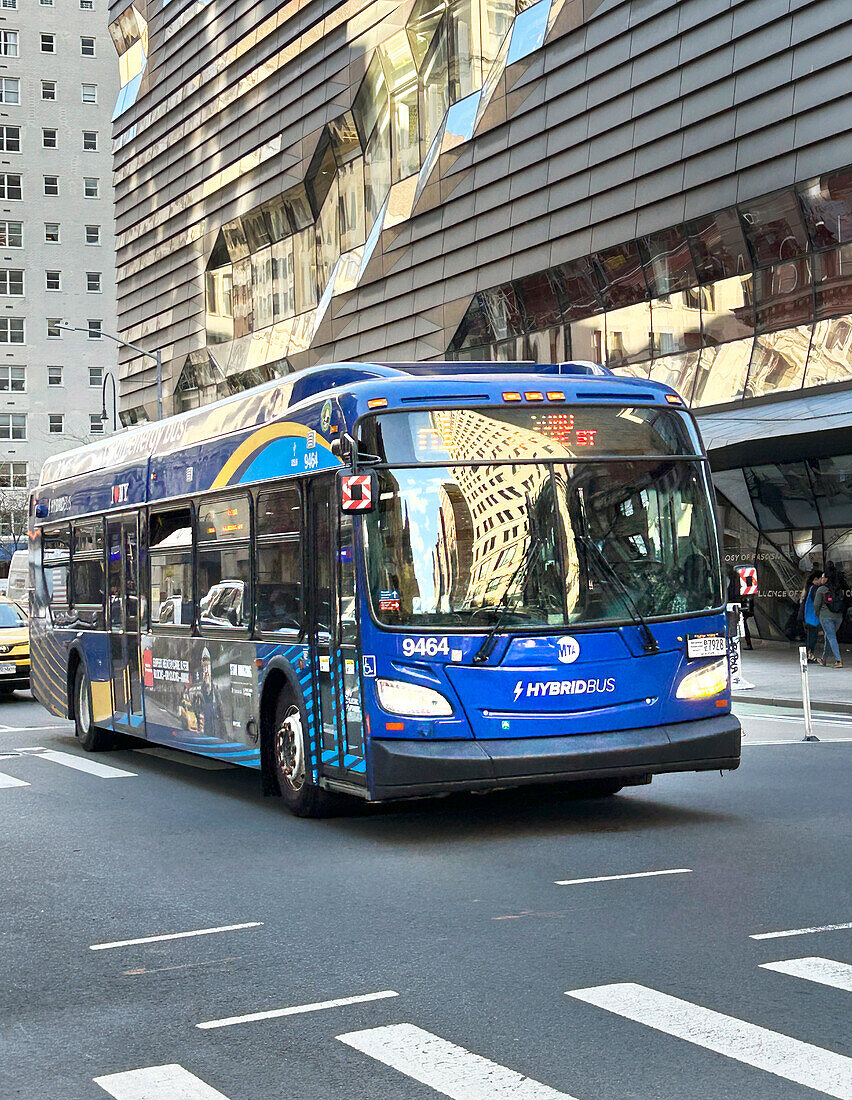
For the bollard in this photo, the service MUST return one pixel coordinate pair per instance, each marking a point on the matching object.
(806, 695)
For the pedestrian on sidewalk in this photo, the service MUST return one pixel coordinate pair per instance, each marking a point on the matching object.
(808, 614)
(827, 605)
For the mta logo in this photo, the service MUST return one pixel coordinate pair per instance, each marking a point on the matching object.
(568, 650)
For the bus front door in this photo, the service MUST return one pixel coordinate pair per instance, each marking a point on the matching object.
(123, 611)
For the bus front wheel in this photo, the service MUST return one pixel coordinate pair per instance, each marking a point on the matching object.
(90, 737)
(290, 758)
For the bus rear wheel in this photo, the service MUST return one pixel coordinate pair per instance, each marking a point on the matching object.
(90, 737)
(290, 760)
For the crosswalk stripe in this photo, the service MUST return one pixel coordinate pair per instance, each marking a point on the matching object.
(791, 1059)
(825, 971)
(11, 781)
(171, 1082)
(79, 763)
(297, 1010)
(449, 1069)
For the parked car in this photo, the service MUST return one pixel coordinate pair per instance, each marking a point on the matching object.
(14, 647)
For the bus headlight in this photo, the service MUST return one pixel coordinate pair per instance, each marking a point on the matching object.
(411, 700)
(704, 682)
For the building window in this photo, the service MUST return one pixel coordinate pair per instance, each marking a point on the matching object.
(50, 139)
(46, 3)
(87, 5)
(10, 89)
(90, 141)
(90, 93)
(11, 283)
(11, 4)
(10, 185)
(9, 43)
(13, 379)
(96, 377)
(11, 234)
(54, 332)
(56, 423)
(53, 280)
(51, 232)
(95, 423)
(94, 329)
(13, 475)
(11, 330)
(48, 90)
(93, 282)
(90, 188)
(13, 425)
(87, 46)
(10, 139)
(48, 43)
(93, 234)
(54, 376)
(51, 186)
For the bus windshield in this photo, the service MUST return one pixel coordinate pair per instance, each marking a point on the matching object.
(542, 544)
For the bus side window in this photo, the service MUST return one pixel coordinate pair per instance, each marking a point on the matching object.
(224, 563)
(170, 556)
(56, 560)
(279, 560)
(87, 573)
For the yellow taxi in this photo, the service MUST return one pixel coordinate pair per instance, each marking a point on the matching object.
(14, 647)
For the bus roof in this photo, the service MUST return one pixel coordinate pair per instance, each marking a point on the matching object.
(270, 402)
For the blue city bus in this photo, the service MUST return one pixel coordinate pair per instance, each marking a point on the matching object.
(386, 581)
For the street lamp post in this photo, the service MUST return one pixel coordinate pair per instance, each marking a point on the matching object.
(155, 355)
(104, 418)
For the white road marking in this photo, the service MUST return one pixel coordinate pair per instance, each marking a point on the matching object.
(800, 741)
(444, 1067)
(79, 763)
(614, 878)
(807, 1065)
(11, 781)
(176, 935)
(295, 1010)
(800, 931)
(825, 971)
(171, 1082)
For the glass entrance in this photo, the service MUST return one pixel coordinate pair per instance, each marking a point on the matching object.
(123, 621)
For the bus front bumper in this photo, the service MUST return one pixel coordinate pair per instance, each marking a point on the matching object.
(408, 769)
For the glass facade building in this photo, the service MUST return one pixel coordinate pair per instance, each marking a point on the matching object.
(660, 185)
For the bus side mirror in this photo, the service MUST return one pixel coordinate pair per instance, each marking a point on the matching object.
(358, 492)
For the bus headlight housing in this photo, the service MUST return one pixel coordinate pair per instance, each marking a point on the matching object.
(705, 682)
(411, 700)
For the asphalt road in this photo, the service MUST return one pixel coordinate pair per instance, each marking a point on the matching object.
(505, 985)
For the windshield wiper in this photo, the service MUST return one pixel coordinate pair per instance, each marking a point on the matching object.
(504, 607)
(649, 642)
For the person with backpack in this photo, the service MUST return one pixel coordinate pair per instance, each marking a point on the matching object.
(808, 616)
(828, 605)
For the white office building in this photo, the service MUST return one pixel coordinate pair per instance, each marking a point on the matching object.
(58, 86)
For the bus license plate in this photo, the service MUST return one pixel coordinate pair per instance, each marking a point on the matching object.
(706, 645)
(8, 670)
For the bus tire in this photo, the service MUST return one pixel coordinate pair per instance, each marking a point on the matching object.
(289, 759)
(88, 734)
(595, 788)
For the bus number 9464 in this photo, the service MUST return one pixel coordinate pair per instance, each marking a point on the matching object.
(425, 647)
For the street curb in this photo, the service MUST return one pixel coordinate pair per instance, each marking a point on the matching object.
(766, 701)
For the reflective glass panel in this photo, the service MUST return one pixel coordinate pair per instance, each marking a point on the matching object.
(405, 113)
(377, 166)
(435, 88)
(242, 298)
(576, 289)
(328, 236)
(621, 281)
(718, 246)
(539, 302)
(426, 16)
(497, 17)
(504, 311)
(832, 481)
(783, 295)
(778, 361)
(398, 62)
(372, 98)
(474, 330)
(587, 338)
(305, 270)
(773, 228)
(668, 261)
(628, 335)
(782, 496)
(833, 281)
(721, 373)
(350, 182)
(727, 312)
(830, 357)
(465, 40)
(283, 289)
(677, 371)
(676, 323)
(827, 203)
(261, 265)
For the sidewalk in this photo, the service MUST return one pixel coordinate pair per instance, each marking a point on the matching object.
(773, 668)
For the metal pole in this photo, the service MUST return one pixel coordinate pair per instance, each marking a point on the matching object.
(158, 356)
(806, 695)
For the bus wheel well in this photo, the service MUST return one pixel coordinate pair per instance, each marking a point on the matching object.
(74, 660)
(276, 683)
